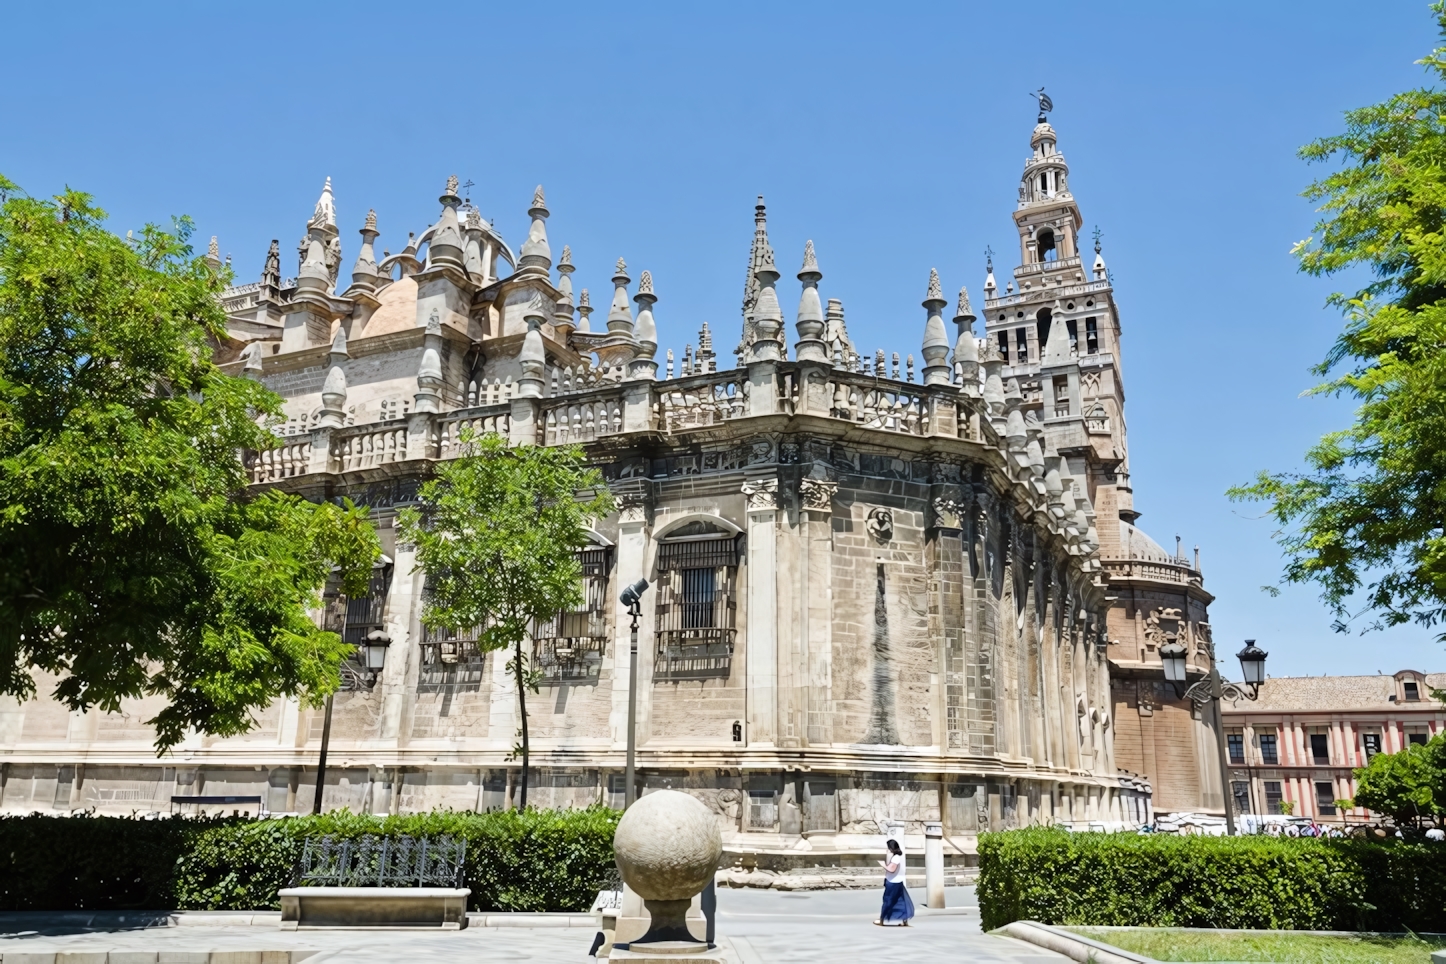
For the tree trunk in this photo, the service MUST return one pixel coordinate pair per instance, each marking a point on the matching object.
(522, 707)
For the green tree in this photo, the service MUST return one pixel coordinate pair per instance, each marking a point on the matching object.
(497, 534)
(1409, 786)
(135, 562)
(1365, 521)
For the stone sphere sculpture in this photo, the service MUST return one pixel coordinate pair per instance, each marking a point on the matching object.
(667, 847)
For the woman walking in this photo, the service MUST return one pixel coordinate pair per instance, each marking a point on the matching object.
(898, 908)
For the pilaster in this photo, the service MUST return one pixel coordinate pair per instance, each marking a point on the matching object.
(946, 616)
(762, 618)
(634, 557)
(815, 496)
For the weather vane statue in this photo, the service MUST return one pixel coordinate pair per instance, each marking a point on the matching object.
(1045, 104)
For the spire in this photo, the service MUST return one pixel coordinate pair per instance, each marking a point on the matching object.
(472, 257)
(1056, 348)
(533, 357)
(213, 254)
(966, 349)
(646, 331)
(364, 272)
(429, 373)
(446, 246)
(993, 380)
(324, 216)
(536, 254)
(767, 315)
(271, 272)
(936, 342)
(810, 321)
(620, 316)
(750, 279)
(338, 347)
(991, 290)
(1101, 274)
(584, 308)
(562, 314)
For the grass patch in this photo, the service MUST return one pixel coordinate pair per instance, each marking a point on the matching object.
(1175, 945)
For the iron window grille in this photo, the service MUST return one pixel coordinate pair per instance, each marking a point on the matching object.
(570, 646)
(354, 617)
(450, 657)
(697, 608)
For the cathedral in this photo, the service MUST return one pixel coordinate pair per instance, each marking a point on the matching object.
(884, 590)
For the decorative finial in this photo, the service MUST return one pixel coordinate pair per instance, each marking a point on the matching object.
(936, 291)
(988, 258)
(810, 262)
(566, 258)
(584, 300)
(213, 250)
(964, 310)
(1097, 235)
(371, 222)
(452, 184)
(645, 283)
(620, 269)
(766, 259)
(474, 220)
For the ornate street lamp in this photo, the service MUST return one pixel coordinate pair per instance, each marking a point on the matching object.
(1212, 689)
(374, 652)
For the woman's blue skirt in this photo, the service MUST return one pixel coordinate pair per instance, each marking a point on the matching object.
(898, 907)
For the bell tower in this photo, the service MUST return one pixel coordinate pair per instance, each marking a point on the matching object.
(1056, 327)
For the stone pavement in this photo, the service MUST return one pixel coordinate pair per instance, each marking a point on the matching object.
(763, 926)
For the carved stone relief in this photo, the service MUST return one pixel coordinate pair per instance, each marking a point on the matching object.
(880, 523)
(761, 493)
(816, 495)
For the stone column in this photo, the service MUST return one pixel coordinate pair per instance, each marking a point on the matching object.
(762, 633)
(401, 614)
(934, 863)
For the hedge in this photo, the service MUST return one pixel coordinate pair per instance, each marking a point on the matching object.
(1168, 880)
(532, 860)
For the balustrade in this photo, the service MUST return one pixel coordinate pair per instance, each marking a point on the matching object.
(286, 461)
(580, 419)
(875, 404)
(481, 420)
(699, 401)
(364, 446)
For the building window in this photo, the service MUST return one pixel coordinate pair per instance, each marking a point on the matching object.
(1325, 799)
(1320, 750)
(763, 792)
(1092, 337)
(1240, 792)
(1412, 690)
(1371, 742)
(1073, 328)
(1273, 797)
(1048, 250)
(1004, 346)
(1268, 752)
(1021, 346)
(570, 646)
(354, 618)
(451, 661)
(1416, 739)
(1236, 744)
(696, 606)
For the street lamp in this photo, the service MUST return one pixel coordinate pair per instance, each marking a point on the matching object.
(1212, 689)
(374, 652)
(632, 597)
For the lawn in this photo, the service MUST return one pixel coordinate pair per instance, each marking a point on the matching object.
(1169, 944)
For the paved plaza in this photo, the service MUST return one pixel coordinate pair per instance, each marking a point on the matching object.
(763, 927)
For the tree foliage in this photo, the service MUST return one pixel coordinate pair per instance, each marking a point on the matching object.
(135, 562)
(497, 535)
(1365, 521)
(1408, 786)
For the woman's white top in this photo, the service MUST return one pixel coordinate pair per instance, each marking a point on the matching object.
(897, 875)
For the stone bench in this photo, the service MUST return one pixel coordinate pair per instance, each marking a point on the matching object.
(440, 907)
(375, 881)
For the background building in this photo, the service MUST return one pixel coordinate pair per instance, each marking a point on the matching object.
(1299, 743)
(884, 586)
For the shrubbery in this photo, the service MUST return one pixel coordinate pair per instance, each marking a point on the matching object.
(533, 860)
(1164, 880)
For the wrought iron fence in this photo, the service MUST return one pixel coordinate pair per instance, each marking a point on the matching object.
(376, 861)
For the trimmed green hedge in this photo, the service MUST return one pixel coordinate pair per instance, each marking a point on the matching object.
(1167, 880)
(533, 860)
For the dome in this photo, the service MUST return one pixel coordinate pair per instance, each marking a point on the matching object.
(398, 309)
(1134, 544)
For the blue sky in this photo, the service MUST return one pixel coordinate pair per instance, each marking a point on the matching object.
(893, 135)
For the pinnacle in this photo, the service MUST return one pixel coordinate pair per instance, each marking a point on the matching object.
(964, 309)
(936, 291)
(645, 283)
(371, 221)
(584, 300)
(810, 260)
(566, 257)
(213, 250)
(620, 270)
(451, 184)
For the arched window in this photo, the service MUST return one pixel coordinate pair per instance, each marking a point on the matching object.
(697, 572)
(1047, 248)
(1042, 328)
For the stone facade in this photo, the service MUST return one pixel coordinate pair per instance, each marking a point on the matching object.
(876, 598)
(1300, 741)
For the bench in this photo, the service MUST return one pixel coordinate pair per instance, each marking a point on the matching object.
(376, 881)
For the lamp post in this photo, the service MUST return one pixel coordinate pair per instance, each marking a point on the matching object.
(632, 597)
(1212, 689)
